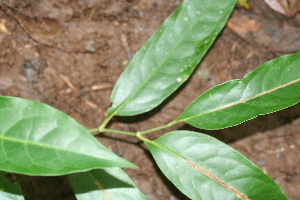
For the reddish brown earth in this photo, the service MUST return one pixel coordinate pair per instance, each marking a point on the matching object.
(75, 51)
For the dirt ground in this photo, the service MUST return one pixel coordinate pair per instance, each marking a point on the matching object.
(70, 53)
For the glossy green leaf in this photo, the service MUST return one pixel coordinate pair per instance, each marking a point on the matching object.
(36, 139)
(271, 87)
(9, 191)
(169, 57)
(104, 184)
(202, 167)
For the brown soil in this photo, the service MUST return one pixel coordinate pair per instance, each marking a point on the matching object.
(69, 54)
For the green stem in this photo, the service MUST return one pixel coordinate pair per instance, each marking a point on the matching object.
(103, 129)
(93, 130)
(159, 128)
(119, 132)
(138, 135)
(158, 145)
(105, 122)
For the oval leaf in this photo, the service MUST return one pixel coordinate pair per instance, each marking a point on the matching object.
(271, 87)
(104, 184)
(169, 57)
(202, 167)
(37, 139)
(9, 191)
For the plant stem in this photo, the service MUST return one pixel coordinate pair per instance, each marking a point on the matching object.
(159, 128)
(138, 135)
(93, 130)
(119, 132)
(105, 122)
(103, 129)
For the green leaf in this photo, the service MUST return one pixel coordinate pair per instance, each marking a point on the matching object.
(112, 183)
(169, 57)
(271, 87)
(9, 191)
(202, 167)
(37, 139)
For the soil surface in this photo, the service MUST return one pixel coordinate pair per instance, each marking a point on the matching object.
(69, 54)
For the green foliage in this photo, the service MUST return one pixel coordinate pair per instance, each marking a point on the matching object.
(114, 181)
(202, 167)
(169, 57)
(271, 87)
(9, 191)
(39, 140)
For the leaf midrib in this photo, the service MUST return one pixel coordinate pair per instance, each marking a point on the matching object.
(26, 142)
(99, 186)
(242, 100)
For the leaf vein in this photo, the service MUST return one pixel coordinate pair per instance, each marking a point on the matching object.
(243, 100)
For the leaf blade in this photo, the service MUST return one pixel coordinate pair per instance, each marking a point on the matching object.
(204, 168)
(110, 183)
(169, 56)
(37, 139)
(269, 88)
